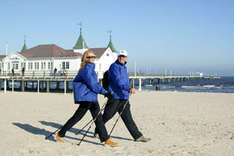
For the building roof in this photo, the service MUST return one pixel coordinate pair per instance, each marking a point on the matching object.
(98, 51)
(80, 44)
(50, 50)
(111, 46)
(2, 56)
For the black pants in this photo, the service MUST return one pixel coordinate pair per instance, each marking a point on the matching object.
(80, 112)
(116, 105)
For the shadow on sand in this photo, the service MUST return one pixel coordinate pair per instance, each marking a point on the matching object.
(74, 130)
(40, 131)
(34, 130)
(43, 132)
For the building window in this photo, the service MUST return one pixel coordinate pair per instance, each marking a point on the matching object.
(52, 65)
(8, 66)
(67, 65)
(23, 65)
(63, 65)
(36, 65)
(49, 65)
(30, 65)
(16, 66)
(43, 65)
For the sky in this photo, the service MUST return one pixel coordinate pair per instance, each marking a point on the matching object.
(161, 36)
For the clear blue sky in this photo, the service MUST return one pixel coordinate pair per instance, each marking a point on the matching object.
(178, 36)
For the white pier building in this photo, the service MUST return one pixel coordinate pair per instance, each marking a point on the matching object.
(51, 59)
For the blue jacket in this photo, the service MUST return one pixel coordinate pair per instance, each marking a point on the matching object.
(118, 80)
(85, 85)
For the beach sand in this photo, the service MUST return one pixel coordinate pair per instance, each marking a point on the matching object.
(179, 124)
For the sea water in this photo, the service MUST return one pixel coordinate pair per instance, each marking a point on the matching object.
(220, 85)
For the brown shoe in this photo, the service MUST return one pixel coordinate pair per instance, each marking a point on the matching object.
(58, 138)
(111, 143)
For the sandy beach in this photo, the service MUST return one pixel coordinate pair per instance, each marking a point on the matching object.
(179, 124)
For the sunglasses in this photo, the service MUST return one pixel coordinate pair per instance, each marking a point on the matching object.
(91, 57)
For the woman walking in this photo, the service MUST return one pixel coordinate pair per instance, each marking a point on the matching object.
(86, 88)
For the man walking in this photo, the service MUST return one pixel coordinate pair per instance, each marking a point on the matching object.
(119, 85)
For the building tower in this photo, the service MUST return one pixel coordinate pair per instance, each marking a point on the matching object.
(110, 45)
(80, 45)
(24, 46)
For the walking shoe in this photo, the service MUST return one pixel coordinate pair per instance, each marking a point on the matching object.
(142, 139)
(111, 143)
(58, 138)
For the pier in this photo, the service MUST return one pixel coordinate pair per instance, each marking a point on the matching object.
(38, 82)
(63, 82)
(163, 79)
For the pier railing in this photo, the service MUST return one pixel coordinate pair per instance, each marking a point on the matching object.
(39, 75)
(72, 74)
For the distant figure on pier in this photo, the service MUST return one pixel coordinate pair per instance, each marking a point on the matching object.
(0, 71)
(55, 71)
(13, 72)
(157, 87)
(23, 70)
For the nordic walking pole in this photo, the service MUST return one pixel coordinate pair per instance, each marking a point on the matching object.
(118, 117)
(62, 126)
(83, 127)
(84, 135)
(91, 119)
(78, 131)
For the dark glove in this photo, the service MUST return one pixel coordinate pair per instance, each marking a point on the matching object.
(108, 95)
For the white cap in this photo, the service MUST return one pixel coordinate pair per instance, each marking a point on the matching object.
(123, 52)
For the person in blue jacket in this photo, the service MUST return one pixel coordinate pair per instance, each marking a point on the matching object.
(86, 88)
(119, 86)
